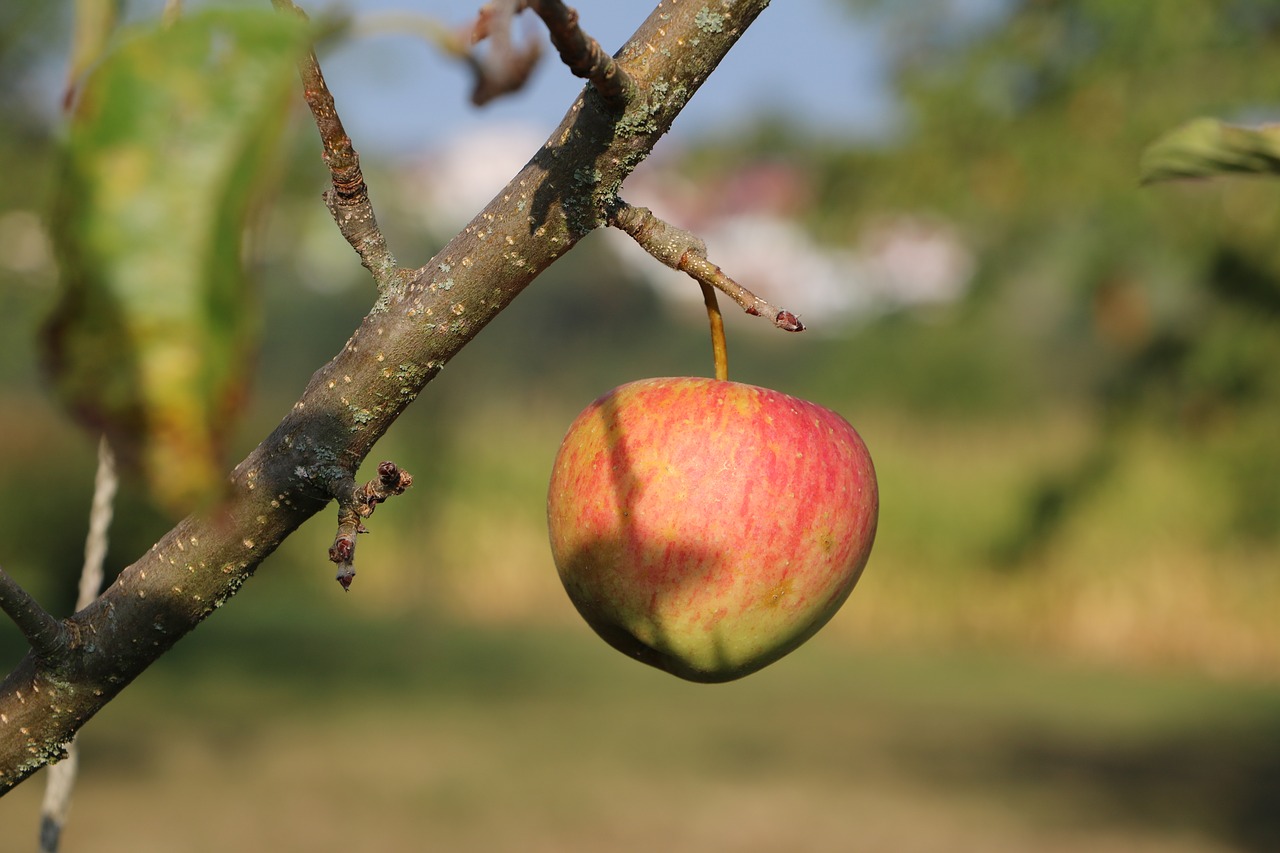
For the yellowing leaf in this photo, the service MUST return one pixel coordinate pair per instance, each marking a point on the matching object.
(92, 26)
(1206, 147)
(169, 145)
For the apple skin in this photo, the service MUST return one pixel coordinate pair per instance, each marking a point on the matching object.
(708, 527)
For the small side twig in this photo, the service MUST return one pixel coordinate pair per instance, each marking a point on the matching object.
(48, 636)
(583, 54)
(683, 251)
(358, 504)
(61, 779)
(348, 200)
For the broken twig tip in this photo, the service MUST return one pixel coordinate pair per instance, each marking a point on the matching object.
(788, 322)
(346, 575)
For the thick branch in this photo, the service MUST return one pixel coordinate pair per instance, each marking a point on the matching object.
(348, 200)
(565, 191)
(686, 252)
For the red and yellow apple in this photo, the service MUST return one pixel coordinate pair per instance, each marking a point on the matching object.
(708, 527)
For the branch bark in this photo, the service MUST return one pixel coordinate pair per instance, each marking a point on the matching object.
(565, 191)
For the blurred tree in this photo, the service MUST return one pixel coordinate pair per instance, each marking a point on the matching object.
(1025, 122)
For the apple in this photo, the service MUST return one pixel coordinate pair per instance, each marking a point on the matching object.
(708, 527)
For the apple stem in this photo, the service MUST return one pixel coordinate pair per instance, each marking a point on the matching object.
(719, 348)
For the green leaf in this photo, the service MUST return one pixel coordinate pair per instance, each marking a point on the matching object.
(1206, 148)
(169, 146)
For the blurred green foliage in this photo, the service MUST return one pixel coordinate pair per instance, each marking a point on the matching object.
(1156, 307)
(306, 727)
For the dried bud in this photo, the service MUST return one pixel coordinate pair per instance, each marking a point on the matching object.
(343, 550)
(346, 574)
(788, 322)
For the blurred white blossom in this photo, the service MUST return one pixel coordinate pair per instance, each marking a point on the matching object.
(753, 228)
(453, 182)
(751, 220)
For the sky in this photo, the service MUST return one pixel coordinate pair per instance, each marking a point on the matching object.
(814, 62)
(811, 60)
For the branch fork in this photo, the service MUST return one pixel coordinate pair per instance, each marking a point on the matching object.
(352, 211)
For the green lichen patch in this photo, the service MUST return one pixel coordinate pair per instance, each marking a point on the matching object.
(708, 21)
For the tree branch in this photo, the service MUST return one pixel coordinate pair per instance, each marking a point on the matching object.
(47, 636)
(583, 54)
(348, 200)
(419, 322)
(686, 252)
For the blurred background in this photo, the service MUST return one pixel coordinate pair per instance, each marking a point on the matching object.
(1068, 636)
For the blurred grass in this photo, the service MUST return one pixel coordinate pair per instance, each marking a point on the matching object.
(294, 722)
